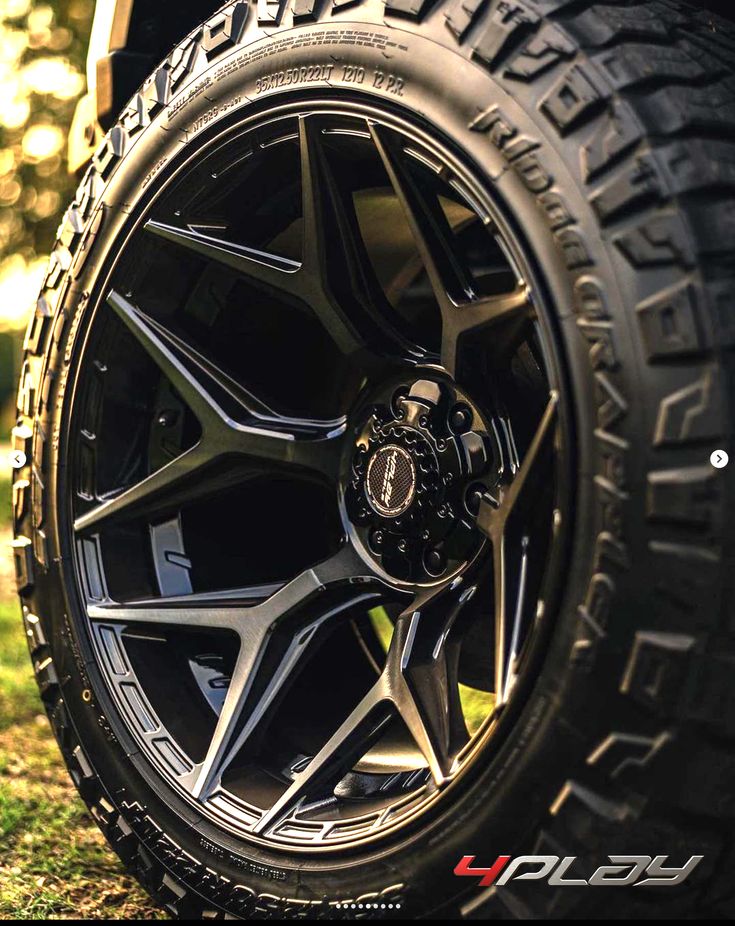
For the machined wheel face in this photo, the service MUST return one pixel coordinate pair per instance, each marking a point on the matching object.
(322, 452)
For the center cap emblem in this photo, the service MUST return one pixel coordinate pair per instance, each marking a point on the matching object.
(391, 481)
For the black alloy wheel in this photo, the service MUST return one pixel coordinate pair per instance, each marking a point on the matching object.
(336, 552)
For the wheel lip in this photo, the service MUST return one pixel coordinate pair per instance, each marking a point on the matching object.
(224, 132)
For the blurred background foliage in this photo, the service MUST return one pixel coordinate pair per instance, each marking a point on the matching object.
(42, 74)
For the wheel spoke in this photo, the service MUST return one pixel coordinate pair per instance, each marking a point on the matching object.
(181, 478)
(328, 240)
(521, 479)
(274, 637)
(450, 280)
(235, 425)
(421, 678)
(509, 571)
(202, 613)
(227, 396)
(500, 593)
(340, 284)
(269, 270)
(419, 683)
(506, 314)
(197, 393)
(274, 642)
(221, 610)
(211, 393)
(351, 740)
(185, 478)
(429, 227)
(334, 278)
(318, 453)
(510, 563)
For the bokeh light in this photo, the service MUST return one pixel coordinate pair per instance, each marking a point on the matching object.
(56, 76)
(19, 279)
(41, 142)
(42, 67)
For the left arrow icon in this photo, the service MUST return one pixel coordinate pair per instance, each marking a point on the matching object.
(17, 459)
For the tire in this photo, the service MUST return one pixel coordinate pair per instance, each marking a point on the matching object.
(609, 132)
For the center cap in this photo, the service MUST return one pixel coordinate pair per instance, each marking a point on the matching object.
(391, 481)
(421, 454)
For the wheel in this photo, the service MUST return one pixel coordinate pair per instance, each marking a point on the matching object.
(368, 522)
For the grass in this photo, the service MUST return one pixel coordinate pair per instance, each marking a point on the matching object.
(19, 702)
(54, 862)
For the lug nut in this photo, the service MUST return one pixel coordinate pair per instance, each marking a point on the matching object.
(460, 418)
(435, 562)
(376, 540)
(473, 498)
(167, 418)
(397, 401)
(402, 546)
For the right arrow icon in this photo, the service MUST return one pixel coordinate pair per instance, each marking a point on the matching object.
(719, 459)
